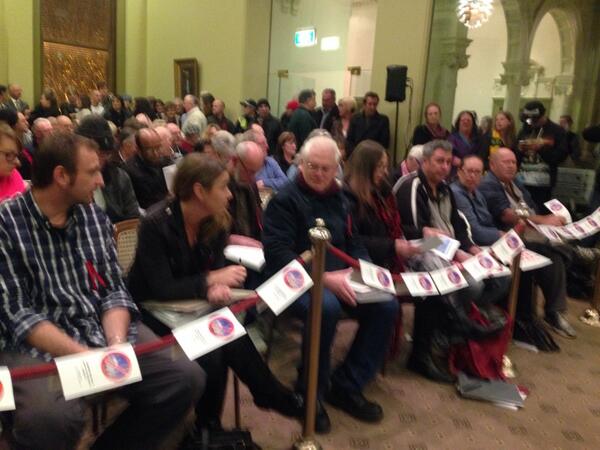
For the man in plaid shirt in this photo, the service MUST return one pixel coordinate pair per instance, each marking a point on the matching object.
(62, 293)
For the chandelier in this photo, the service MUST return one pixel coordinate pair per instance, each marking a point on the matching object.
(474, 13)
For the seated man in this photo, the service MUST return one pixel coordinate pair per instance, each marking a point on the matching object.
(145, 169)
(288, 217)
(116, 198)
(505, 195)
(62, 294)
(427, 208)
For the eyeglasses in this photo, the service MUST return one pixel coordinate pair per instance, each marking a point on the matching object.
(317, 168)
(9, 156)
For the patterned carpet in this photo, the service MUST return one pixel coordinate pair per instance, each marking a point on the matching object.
(562, 412)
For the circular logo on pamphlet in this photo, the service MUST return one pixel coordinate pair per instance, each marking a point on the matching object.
(221, 327)
(1, 390)
(555, 207)
(578, 228)
(425, 283)
(453, 276)
(293, 278)
(383, 278)
(115, 366)
(592, 222)
(512, 242)
(485, 261)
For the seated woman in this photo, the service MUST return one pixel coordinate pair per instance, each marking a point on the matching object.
(11, 182)
(432, 128)
(465, 138)
(286, 150)
(180, 256)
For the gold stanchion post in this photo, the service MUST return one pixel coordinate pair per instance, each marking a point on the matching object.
(319, 237)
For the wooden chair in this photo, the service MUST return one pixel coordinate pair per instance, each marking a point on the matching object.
(126, 235)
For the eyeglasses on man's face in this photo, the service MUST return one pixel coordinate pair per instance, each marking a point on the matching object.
(319, 168)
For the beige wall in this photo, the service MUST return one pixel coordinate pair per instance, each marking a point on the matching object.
(229, 39)
(17, 45)
(401, 37)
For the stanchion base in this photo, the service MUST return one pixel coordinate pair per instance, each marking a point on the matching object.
(591, 317)
(508, 368)
(306, 444)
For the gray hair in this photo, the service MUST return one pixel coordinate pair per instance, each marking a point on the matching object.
(190, 128)
(242, 148)
(224, 144)
(318, 141)
(432, 146)
(39, 121)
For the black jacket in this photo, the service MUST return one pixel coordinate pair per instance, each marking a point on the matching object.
(148, 181)
(245, 209)
(328, 123)
(292, 212)
(362, 128)
(272, 128)
(165, 266)
(119, 196)
(412, 199)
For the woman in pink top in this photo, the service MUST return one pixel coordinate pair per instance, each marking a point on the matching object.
(11, 182)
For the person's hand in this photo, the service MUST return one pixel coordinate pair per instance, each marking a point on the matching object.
(461, 256)
(405, 249)
(260, 184)
(231, 276)
(218, 294)
(430, 231)
(238, 239)
(337, 283)
(474, 250)
(554, 221)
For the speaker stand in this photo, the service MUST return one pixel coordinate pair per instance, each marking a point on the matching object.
(396, 135)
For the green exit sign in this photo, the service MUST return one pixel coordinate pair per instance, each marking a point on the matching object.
(306, 37)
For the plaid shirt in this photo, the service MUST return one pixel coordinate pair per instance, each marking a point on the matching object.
(68, 276)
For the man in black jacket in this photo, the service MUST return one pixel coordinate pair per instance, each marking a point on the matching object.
(269, 124)
(289, 215)
(145, 169)
(116, 197)
(368, 124)
(328, 111)
(302, 121)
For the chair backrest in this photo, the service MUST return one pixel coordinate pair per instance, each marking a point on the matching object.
(126, 236)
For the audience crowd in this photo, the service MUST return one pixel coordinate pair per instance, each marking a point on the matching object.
(69, 171)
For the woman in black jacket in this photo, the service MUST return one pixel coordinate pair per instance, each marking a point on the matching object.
(180, 256)
(47, 107)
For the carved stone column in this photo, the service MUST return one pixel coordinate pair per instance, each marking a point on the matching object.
(515, 76)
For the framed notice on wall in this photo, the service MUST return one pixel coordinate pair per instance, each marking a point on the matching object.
(186, 77)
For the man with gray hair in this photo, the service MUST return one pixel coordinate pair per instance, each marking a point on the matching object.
(314, 194)
(193, 114)
(302, 121)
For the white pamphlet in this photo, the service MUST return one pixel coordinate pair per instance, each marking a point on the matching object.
(7, 398)
(447, 248)
(419, 284)
(169, 174)
(588, 228)
(575, 230)
(98, 370)
(550, 232)
(377, 277)
(507, 246)
(532, 260)
(208, 333)
(558, 209)
(500, 271)
(448, 279)
(592, 221)
(251, 257)
(283, 288)
(480, 266)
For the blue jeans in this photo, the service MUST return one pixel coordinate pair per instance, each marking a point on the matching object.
(376, 321)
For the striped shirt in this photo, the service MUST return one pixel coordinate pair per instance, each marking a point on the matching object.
(68, 276)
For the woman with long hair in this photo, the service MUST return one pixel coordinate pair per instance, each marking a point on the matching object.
(339, 129)
(117, 114)
(432, 128)
(285, 150)
(465, 139)
(47, 107)
(502, 134)
(180, 256)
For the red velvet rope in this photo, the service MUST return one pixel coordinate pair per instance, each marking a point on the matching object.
(351, 261)
(46, 369)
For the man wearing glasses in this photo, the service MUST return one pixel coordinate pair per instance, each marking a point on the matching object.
(315, 193)
(145, 169)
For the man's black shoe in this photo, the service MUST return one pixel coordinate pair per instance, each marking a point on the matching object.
(322, 422)
(559, 324)
(355, 404)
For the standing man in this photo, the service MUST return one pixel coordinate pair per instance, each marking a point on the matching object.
(96, 106)
(288, 217)
(270, 124)
(54, 304)
(544, 146)
(14, 99)
(193, 114)
(328, 111)
(248, 116)
(302, 121)
(368, 124)
(218, 116)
